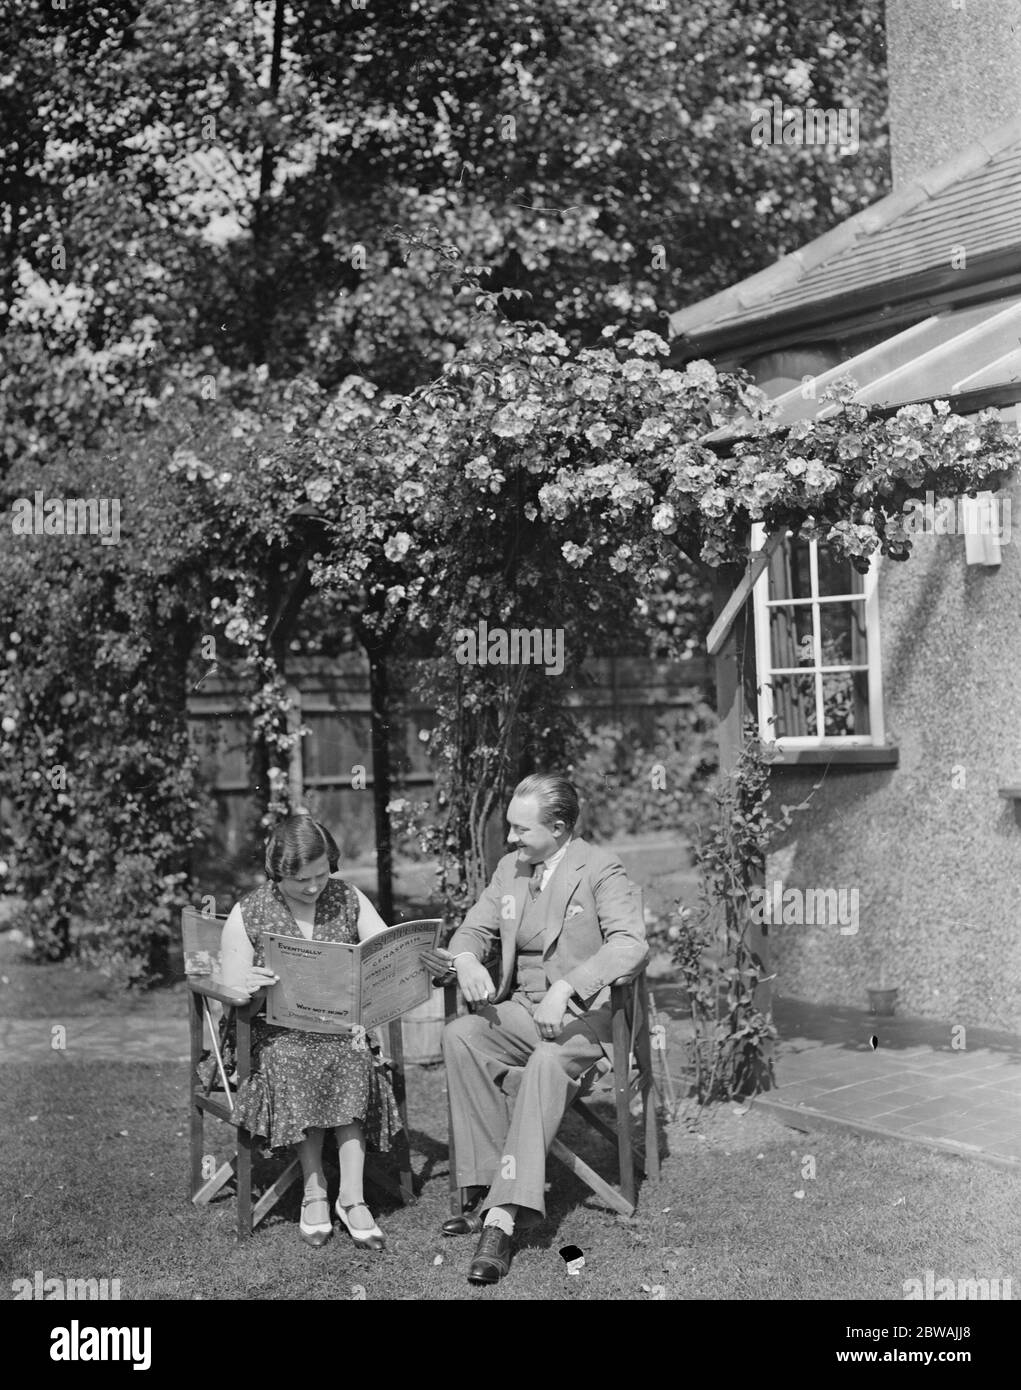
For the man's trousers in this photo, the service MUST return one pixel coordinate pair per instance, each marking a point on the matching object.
(508, 1092)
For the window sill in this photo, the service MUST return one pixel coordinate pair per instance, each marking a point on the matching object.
(887, 756)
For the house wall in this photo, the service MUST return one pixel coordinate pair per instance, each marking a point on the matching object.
(954, 71)
(933, 850)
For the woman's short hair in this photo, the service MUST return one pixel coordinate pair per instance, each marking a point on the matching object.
(297, 842)
(557, 797)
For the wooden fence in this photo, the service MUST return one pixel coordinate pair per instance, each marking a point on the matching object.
(336, 753)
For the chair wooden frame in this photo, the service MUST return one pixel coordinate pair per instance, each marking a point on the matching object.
(201, 937)
(632, 1075)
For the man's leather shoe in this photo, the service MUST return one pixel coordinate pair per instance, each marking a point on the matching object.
(492, 1257)
(464, 1225)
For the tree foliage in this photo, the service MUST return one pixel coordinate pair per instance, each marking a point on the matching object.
(213, 182)
(204, 313)
(96, 777)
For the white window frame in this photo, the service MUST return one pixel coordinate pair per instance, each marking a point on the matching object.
(763, 655)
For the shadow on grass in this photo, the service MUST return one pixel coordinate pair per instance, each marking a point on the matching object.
(430, 1165)
(428, 1162)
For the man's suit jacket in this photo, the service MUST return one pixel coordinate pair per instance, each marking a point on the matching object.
(595, 928)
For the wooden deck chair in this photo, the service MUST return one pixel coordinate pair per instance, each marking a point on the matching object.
(214, 1096)
(632, 1077)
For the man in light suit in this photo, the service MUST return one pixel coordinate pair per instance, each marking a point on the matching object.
(567, 922)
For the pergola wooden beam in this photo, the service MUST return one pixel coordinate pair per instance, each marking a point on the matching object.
(757, 562)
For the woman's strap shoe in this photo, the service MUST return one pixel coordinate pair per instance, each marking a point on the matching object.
(318, 1235)
(492, 1257)
(372, 1239)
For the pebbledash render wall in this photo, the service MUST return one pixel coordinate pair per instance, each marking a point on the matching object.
(954, 74)
(933, 849)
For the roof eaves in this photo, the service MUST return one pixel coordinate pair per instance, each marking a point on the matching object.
(978, 154)
(782, 274)
(862, 308)
(760, 287)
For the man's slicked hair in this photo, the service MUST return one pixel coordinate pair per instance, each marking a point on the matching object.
(557, 797)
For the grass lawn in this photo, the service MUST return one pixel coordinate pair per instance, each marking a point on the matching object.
(67, 990)
(95, 1165)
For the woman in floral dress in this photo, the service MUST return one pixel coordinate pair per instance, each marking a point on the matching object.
(305, 1083)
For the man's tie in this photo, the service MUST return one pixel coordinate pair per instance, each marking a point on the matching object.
(535, 882)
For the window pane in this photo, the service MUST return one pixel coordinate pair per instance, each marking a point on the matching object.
(794, 707)
(843, 634)
(790, 575)
(798, 617)
(845, 698)
(837, 575)
(791, 635)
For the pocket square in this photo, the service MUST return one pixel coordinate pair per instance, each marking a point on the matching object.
(574, 909)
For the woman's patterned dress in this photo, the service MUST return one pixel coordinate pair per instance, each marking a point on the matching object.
(310, 1080)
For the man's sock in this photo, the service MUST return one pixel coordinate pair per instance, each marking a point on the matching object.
(502, 1217)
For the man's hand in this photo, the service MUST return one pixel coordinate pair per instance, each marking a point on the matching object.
(551, 1011)
(472, 977)
(439, 961)
(474, 980)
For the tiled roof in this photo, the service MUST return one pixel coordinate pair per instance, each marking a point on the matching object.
(972, 202)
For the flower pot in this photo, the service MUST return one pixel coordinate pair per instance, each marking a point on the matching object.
(882, 1002)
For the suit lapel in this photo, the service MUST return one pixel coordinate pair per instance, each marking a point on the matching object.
(561, 888)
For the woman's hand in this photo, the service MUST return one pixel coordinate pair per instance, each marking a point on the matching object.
(258, 977)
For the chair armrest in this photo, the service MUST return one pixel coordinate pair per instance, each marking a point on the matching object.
(633, 978)
(211, 990)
